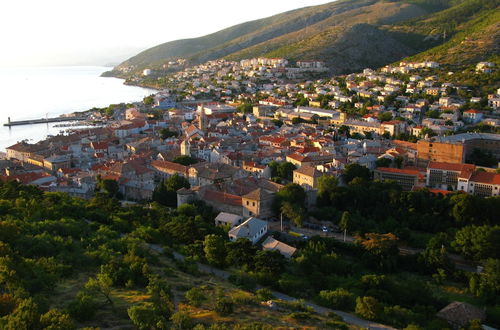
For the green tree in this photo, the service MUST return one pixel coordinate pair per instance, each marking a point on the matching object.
(487, 284)
(25, 316)
(181, 321)
(384, 116)
(245, 108)
(337, 299)
(165, 133)
(195, 296)
(478, 242)
(148, 100)
(291, 193)
(56, 320)
(383, 162)
(101, 284)
(214, 247)
(368, 308)
(293, 212)
(285, 170)
(354, 170)
(144, 317)
(184, 160)
(166, 192)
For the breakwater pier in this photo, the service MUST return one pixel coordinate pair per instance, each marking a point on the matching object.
(10, 123)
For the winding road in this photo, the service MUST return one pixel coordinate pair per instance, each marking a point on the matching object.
(347, 317)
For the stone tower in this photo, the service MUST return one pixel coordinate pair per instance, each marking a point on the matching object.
(185, 148)
(202, 120)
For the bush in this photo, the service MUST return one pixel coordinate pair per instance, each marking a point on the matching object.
(83, 307)
(300, 315)
(195, 296)
(337, 325)
(224, 306)
(181, 321)
(264, 294)
(338, 299)
(368, 308)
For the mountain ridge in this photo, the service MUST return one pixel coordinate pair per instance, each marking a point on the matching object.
(347, 35)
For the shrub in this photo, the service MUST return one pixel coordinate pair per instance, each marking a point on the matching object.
(224, 306)
(368, 307)
(195, 296)
(338, 299)
(264, 294)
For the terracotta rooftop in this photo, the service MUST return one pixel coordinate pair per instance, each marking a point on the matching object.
(486, 177)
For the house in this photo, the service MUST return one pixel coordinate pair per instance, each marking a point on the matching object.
(444, 176)
(230, 219)
(459, 314)
(485, 184)
(272, 244)
(472, 116)
(307, 177)
(258, 203)
(252, 229)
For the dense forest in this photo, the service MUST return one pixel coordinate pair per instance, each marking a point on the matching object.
(68, 263)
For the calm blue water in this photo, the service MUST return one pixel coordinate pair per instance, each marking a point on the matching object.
(34, 92)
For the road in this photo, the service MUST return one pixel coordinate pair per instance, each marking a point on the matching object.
(347, 317)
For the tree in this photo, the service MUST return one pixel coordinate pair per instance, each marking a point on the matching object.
(293, 212)
(285, 170)
(215, 250)
(326, 187)
(435, 254)
(56, 320)
(25, 316)
(195, 296)
(345, 222)
(245, 108)
(478, 242)
(337, 299)
(166, 192)
(292, 193)
(181, 321)
(382, 249)
(165, 133)
(184, 160)
(264, 294)
(101, 284)
(108, 186)
(144, 317)
(354, 170)
(271, 263)
(487, 284)
(368, 308)
(383, 162)
(384, 116)
(148, 100)
(224, 305)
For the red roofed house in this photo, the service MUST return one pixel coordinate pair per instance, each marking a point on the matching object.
(472, 116)
(406, 178)
(480, 183)
(442, 175)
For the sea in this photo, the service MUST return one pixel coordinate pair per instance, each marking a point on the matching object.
(40, 92)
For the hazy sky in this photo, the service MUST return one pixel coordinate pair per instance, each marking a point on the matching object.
(52, 32)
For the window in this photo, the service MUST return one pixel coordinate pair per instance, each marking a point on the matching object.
(253, 203)
(248, 203)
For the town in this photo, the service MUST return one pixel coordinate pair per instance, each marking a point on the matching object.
(266, 145)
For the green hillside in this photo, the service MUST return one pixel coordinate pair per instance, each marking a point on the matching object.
(348, 35)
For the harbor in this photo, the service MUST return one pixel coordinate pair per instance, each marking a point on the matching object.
(10, 123)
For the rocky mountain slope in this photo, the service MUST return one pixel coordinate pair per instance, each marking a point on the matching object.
(348, 35)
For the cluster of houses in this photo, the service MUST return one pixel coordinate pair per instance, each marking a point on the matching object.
(232, 150)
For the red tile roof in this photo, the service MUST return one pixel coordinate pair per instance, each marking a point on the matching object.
(486, 178)
(221, 197)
